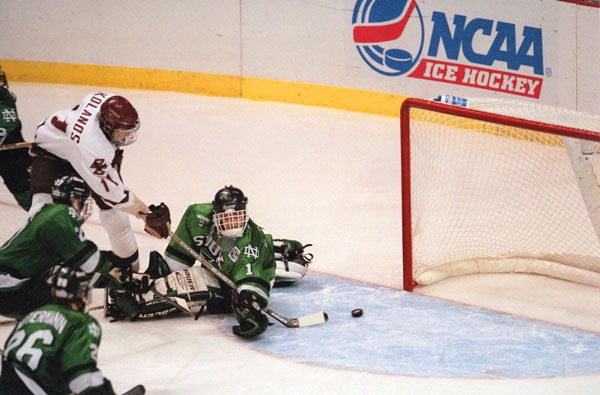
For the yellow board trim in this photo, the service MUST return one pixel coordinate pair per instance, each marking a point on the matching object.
(252, 88)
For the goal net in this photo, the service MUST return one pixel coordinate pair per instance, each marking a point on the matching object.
(498, 186)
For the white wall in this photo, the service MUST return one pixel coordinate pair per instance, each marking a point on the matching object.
(308, 41)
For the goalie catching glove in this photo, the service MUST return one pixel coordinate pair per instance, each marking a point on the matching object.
(252, 321)
(158, 221)
(291, 261)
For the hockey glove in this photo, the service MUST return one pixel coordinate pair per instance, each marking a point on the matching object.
(292, 251)
(157, 266)
(252, 321)
(291, 261)
(158, 222)
(118, 160)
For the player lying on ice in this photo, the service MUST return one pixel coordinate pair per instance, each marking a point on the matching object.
(223, 233)
(54, 349)
(52, 237)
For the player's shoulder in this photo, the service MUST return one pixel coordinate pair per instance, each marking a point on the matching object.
(80, 321)
(7, 95)
(56, 213)
(61, 210)
(255, 230)
(96, 97)
(58, 316)
(200, 210)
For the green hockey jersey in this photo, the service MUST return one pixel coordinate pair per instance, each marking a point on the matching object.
(56, 348)
(50, 237)
(9, 118)
(248, 260)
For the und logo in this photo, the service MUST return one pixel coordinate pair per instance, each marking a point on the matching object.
(378, 29)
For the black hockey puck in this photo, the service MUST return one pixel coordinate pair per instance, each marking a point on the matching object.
(357, 313)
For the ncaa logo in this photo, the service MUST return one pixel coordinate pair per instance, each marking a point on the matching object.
(378, 30)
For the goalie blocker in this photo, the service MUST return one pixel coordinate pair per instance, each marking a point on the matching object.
(195, 285)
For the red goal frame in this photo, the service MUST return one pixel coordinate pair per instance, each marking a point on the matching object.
(405, 158)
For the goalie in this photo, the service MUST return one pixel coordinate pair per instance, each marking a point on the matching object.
(225, 235)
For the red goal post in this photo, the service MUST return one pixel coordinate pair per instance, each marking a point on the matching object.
(499, 186)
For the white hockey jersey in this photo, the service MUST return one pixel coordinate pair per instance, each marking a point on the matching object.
(75, 136)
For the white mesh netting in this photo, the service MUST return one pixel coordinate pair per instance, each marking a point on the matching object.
(495, 198)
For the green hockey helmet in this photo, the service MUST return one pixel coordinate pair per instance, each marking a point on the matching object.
(72, 287)
(73, 191)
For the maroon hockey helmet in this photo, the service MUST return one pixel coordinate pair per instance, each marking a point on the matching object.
(119, 120)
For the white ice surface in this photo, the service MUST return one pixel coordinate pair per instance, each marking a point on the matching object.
(326, 177)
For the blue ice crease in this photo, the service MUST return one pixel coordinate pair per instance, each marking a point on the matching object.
(408, 334)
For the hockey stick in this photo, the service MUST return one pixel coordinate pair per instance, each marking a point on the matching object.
(174, 301)
(14, 321)
(311, 319)
(7, 147)
(377, 33)
(137, 390)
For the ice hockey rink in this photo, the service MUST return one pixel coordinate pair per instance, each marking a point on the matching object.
(330, 178)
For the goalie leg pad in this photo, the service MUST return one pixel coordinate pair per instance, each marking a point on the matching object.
(188, 284)
(125, 305)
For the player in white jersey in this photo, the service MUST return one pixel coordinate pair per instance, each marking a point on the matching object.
(87, 140)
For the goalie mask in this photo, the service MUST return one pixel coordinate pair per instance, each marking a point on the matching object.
(230, 216)
(119, 121)
(72, 287)
(74, 192)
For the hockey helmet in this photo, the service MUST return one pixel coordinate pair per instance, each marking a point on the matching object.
(73, 191)
(230, 216)
(72, 286)
(119, 121)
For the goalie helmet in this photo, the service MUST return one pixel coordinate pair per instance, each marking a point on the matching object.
(119, 121)
(230, 216)
(72, 287)
(73, 191)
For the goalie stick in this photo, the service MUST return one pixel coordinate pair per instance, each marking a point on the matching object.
(14, 321)
(311, 319)
(7, 147)
(174, 301)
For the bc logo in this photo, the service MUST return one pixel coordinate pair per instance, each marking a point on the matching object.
(378, 29)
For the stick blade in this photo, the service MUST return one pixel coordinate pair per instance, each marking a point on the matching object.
(312, 319)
